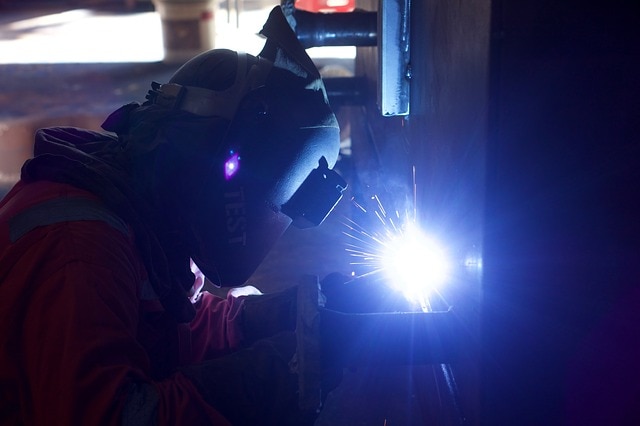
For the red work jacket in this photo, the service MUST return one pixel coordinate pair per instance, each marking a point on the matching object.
(83, 338)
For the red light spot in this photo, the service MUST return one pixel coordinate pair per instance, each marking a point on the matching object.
(206, 15)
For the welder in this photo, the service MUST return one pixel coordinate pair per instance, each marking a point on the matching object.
(103, 320)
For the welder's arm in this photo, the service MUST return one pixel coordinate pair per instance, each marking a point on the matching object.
(244, 317)
(216, 328)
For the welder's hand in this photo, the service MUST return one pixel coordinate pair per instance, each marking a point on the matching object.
(267, 314)
(254, 386)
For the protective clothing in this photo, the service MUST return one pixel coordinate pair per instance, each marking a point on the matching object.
(98, 324)
(83, 337)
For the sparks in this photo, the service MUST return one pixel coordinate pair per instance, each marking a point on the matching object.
(411, 261)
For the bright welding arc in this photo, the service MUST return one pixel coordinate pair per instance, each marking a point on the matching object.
(412, 262)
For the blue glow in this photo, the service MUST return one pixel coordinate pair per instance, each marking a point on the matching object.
(415, 263)
(232, 165)
(473, 261)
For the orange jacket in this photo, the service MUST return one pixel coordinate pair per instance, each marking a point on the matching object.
(82, 338)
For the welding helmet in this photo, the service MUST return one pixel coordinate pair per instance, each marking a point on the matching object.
(273, 165)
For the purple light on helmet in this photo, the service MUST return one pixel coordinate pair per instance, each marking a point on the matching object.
(231, 165)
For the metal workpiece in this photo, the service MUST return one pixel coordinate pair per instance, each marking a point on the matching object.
(365, 322)
(401, 338)
(394, 57)
(329, 340)
(358, 28)
(387, 29)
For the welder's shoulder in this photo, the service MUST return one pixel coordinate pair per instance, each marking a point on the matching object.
(45, 225)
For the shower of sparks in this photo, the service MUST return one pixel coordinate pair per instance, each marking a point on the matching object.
(395, 246)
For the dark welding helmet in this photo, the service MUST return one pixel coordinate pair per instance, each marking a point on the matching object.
(274, 164)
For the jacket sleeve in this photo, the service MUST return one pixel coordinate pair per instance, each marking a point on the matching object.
(81, 362)
(216, 329)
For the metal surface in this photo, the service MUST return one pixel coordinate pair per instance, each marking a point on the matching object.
(393, 51)
(336, 29)
(329, 340)
(366, 322)
(388, 29)
(401, 338)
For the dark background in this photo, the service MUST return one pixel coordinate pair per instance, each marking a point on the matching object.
(561, 311)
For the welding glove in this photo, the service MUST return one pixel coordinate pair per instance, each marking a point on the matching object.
(254, 386)
(264, 315)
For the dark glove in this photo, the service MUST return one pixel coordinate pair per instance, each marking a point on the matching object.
(253, 386)
(268, 314)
